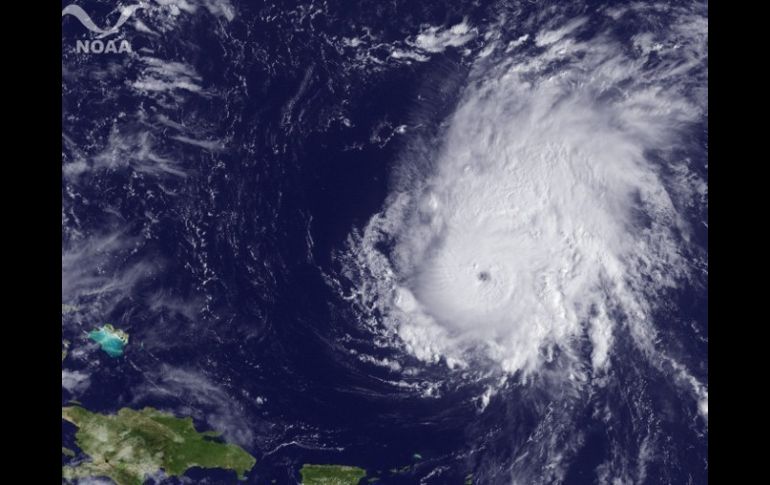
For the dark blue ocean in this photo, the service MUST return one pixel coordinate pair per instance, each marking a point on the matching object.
(210, 177)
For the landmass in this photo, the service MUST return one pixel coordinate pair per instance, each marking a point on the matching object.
(111, 339)
(406, 468)
(129, 445)
(331, 475)
(66, 451)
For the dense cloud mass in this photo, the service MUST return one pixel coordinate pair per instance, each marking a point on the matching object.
(544, 217)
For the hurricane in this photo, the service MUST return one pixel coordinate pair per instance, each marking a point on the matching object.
(545, 217)
(401, 242)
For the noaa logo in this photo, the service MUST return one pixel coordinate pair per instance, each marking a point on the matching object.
(97, 45)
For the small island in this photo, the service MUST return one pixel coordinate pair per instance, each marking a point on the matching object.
(331, 475)
(111, 339)
(129, 445)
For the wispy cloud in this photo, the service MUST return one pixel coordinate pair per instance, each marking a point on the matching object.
(129, 147)
(202, 398)
(75, 381)
(97, 273)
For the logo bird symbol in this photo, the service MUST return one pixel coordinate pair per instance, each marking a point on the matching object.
(85, 19)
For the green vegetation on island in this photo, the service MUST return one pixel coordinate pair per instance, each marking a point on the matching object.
(331, 475)
(67, 452)
(131, 444)
(111, 339)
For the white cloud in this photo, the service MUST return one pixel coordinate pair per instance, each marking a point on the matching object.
(91, 269)
(220, 8)
(126, 147)
(541, 219)
(549, 37)
(75, 381)
(160, 75)
(436, 39)
(203, 399)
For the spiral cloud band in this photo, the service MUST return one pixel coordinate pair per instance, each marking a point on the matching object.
(544, 218)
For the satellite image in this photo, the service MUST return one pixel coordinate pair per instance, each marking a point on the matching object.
(384, 241)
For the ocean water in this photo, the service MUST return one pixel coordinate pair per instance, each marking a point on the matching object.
(429, 239)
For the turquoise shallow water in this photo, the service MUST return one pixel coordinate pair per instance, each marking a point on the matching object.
(109, 341)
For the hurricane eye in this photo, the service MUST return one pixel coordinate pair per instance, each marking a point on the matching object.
(484, 276)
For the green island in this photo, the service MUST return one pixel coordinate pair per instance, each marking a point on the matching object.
(129, 445)
(331, 475)
(111, 339)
